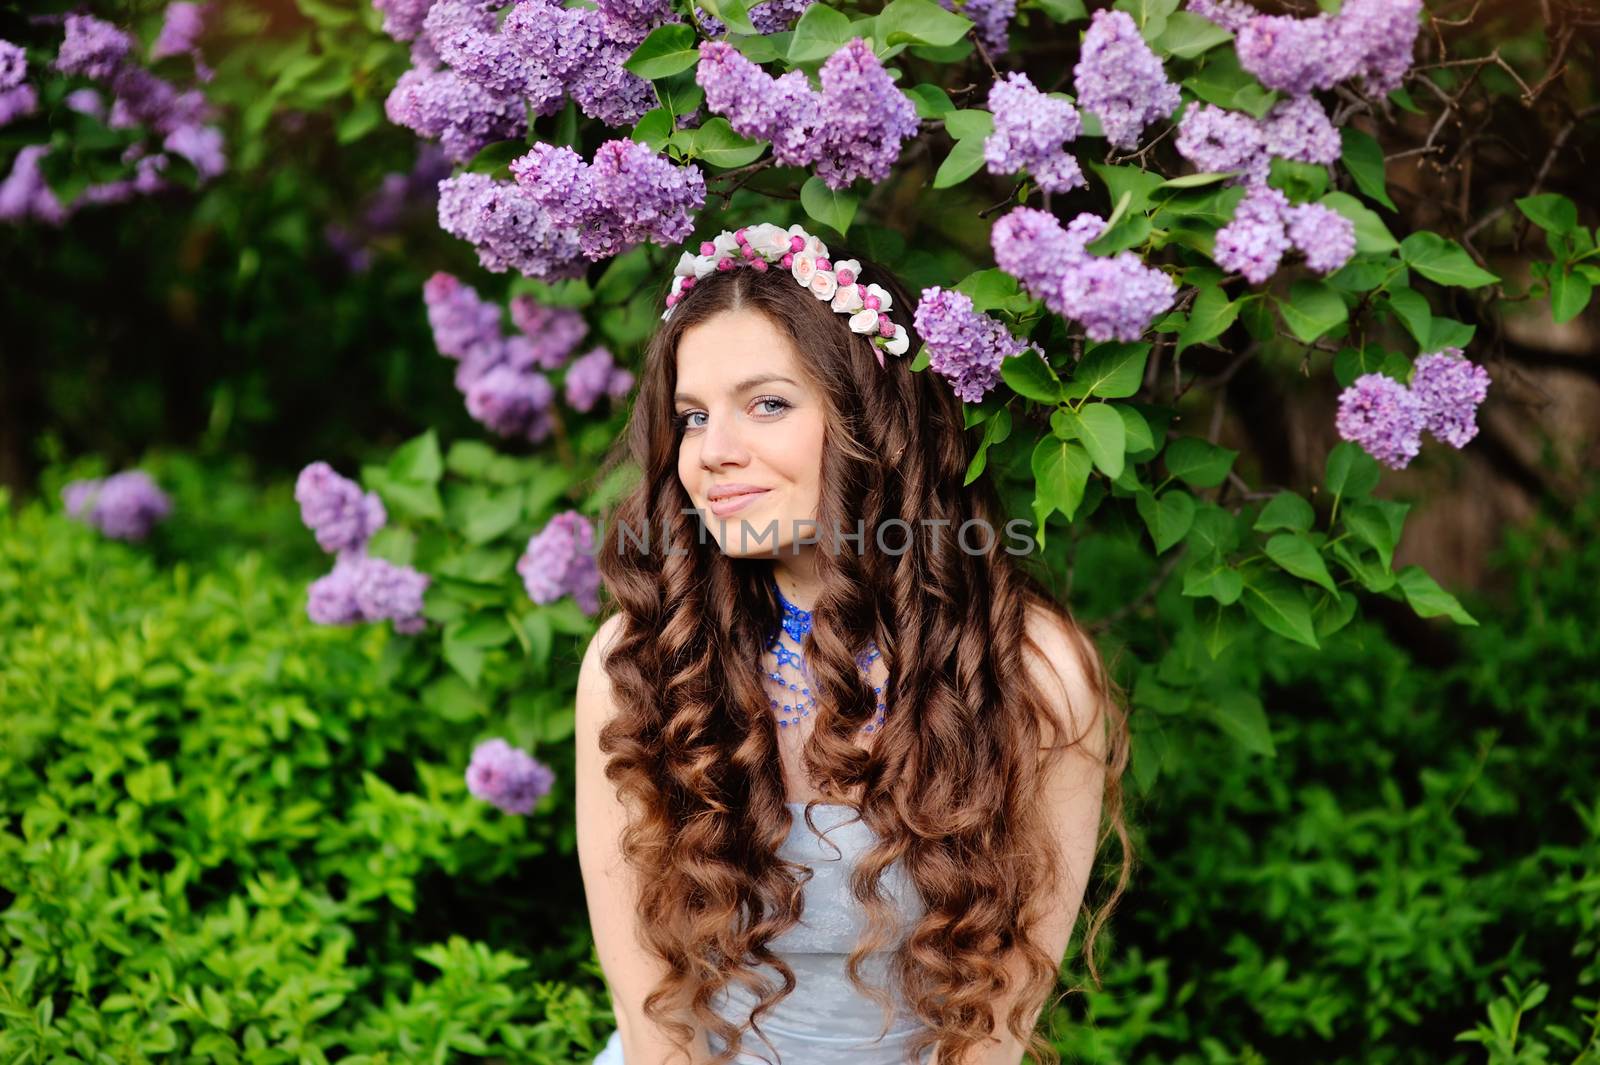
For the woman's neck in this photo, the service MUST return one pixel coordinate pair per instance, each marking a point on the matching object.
(796, 577)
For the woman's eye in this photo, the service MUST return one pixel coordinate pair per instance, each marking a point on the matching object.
(762, 405)
(783, 404)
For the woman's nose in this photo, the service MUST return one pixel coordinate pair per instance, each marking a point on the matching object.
(723, 442)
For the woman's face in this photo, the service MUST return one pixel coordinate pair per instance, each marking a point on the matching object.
(748, 419)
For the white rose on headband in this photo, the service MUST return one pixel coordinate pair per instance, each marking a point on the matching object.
(823, 285)
(898, 343)
(677, 285)
(726, 245)
(815, 246)
(804, 267)
(685, 267)
(884, 299)
(768, 240)
(704, 265)
(864, 322)
(848, 299)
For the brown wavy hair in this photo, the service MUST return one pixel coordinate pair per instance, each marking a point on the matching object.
(951, 788)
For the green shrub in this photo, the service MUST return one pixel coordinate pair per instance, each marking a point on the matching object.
(232, 835)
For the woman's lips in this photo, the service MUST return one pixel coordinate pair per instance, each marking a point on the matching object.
(733, 504)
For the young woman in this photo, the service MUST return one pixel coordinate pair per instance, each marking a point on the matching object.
(842, 765)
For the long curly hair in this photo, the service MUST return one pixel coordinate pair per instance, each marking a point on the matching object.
(951, 785)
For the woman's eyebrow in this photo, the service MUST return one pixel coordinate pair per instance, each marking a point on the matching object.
(742, 386)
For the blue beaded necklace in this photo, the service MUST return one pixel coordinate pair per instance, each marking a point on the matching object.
(796, 623)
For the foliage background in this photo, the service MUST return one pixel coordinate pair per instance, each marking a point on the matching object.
(232, 835)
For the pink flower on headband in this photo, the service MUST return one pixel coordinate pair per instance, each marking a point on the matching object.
(805, 258)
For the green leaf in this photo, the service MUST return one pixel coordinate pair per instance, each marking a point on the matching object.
(1280, 605)
(1218, 626)
(1222, 81)
(930, 100)
(1134, 182)
(990, 289)
(1550, 211)
(1411, 307)
(1190, 181)
(1286, 510)
(1209, 317)
(666, 51)
(1212, 576)
(1187, 35)
(1299, 181)
(1060, 471)
(680, 94)
(1350, 472)
(1135, 429)
(1428, 599)
(821, 31)
(968, 123)
(735, 14)
(1104, 436)
(1128, 232)
(654, 128)
(1363, 159)
(1378, 524)
(1031, 377)
(1110, 370)
(996, 430)
(964, 160)
(1449, 333)
(1065, 10)
(418, 459)
(920, 22)
(1240, 715)
(1198, 463)
(1299, 556)
(1569, 294)
(1168, 516)
(1440, 259)
(1313, 308)
(1149, 15)
(716, 143)
(831, 207)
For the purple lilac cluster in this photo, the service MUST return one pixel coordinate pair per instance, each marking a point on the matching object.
(124, 506)
(1113, 297)
(360, 587)
(1370, 39)
(181, 27)
(852, 128)
(560, 561)
(178, 119)
(1030, 132)
(595, 375)
(991, 19)
(1387, 419)
(508, 228)
(627, 195)
(1120, 80)
(500, 375)
(965, 347)
(17, 98)
(1264, 227)
(507, 777)
(475, 76)
(1216, 140)
(1231, 15)
(334, 508)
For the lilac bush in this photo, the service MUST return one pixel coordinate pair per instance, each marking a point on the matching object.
(508, 777)
(124, 506)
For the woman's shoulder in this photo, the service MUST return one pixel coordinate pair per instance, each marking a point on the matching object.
(594, 683)
(1062, 661)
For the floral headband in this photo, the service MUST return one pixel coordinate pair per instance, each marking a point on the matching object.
(806, 258)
